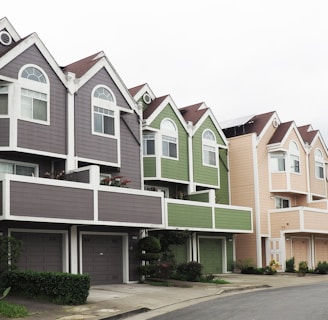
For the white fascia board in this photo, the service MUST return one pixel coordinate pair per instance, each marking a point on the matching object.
(159, 109)
(104, 63)
(5, 24)
(33, 39)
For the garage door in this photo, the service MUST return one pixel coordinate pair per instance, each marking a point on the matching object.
(102, 258)
(321, 250)
(210, 253)
(40, 251)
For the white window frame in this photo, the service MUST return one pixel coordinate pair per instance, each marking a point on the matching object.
(22, 164)
(294, 157)
(280, 201)
(319, 164)
(106, 108)
(277, 159)
(209, 146)
(169, 134)
(35, 90)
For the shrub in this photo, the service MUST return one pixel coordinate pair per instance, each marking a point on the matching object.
(61, 288)
(10, 310)
(271, 268)
(189, 271)
(302, 268)
(290, 265)
(322, 267)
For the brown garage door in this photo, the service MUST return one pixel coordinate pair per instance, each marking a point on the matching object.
(40, 251)
(102, 258)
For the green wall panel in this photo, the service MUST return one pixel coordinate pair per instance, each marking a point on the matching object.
(149, 166)
(183, 215)
(222, 195)
(210, 252)
(202, 197)
(232, 219)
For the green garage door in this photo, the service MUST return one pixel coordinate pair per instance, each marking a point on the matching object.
(210, 253)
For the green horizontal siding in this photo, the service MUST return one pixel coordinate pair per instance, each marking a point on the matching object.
(149, 166)
(183, 215)
(202, 197)
(226, 218)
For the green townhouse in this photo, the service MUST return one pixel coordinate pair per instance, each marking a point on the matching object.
(185, 156)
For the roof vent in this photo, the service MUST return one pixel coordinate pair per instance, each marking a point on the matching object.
(146, 98)
(275, 123)
(5, 38)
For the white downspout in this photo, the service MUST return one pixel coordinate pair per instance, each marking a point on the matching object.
(257, 203)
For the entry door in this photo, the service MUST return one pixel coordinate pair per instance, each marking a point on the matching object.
(210, 253)
(102, 258)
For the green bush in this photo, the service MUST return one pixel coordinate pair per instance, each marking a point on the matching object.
(322, 267)
(290, 265)
(302, 268)
(10, 310)
(189, 271)
(10, 249)
(61, 288)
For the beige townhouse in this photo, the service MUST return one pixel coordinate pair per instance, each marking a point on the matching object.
(280, 170)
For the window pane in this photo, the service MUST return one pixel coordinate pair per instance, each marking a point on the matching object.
(165, 149)
(26, 108)
(6, 168)
(3, 104)
(24, 171)
(173, 150)
(97, 122)
(150, 147)
(39, 110)
(109, 125)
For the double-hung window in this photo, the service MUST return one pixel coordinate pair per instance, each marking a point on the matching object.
(149, 144)
(34, 95)
(169, 139)
(277, 161)
(209, 148)
(294, 157)
(319, 164)
(103, 112)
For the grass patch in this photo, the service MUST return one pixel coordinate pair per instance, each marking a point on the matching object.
(11, 310)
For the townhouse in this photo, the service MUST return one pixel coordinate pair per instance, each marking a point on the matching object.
(185, 155)
(280, 170)
(82, 161)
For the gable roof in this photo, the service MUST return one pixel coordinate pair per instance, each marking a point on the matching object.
(193, 113)
(307, 133)
(133, 91)
(249, 124)
(153, 106)
(80, 67)
(280, 133)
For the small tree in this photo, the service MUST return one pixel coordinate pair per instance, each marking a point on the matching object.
(290, 265)
(149, 253)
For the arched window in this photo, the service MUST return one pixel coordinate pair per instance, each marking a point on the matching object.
(34, 94)
(169, 139)
(104, 111)
(209, 148)
(294, 157)
(319, 164)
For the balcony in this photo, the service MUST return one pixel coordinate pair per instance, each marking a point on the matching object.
(58, 201)
(200, 216)
(298, 219)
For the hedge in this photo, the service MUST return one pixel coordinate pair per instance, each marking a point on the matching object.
(61, 288)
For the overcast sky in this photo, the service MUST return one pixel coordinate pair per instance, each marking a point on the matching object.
(240, 57)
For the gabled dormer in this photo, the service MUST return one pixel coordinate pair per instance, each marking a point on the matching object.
(209, 151)
(287, 160)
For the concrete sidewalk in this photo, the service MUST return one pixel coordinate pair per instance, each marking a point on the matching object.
(143, 301)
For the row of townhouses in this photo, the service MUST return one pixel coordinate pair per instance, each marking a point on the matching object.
(88, 167)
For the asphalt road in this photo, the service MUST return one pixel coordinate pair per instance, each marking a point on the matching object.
(290, 303)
